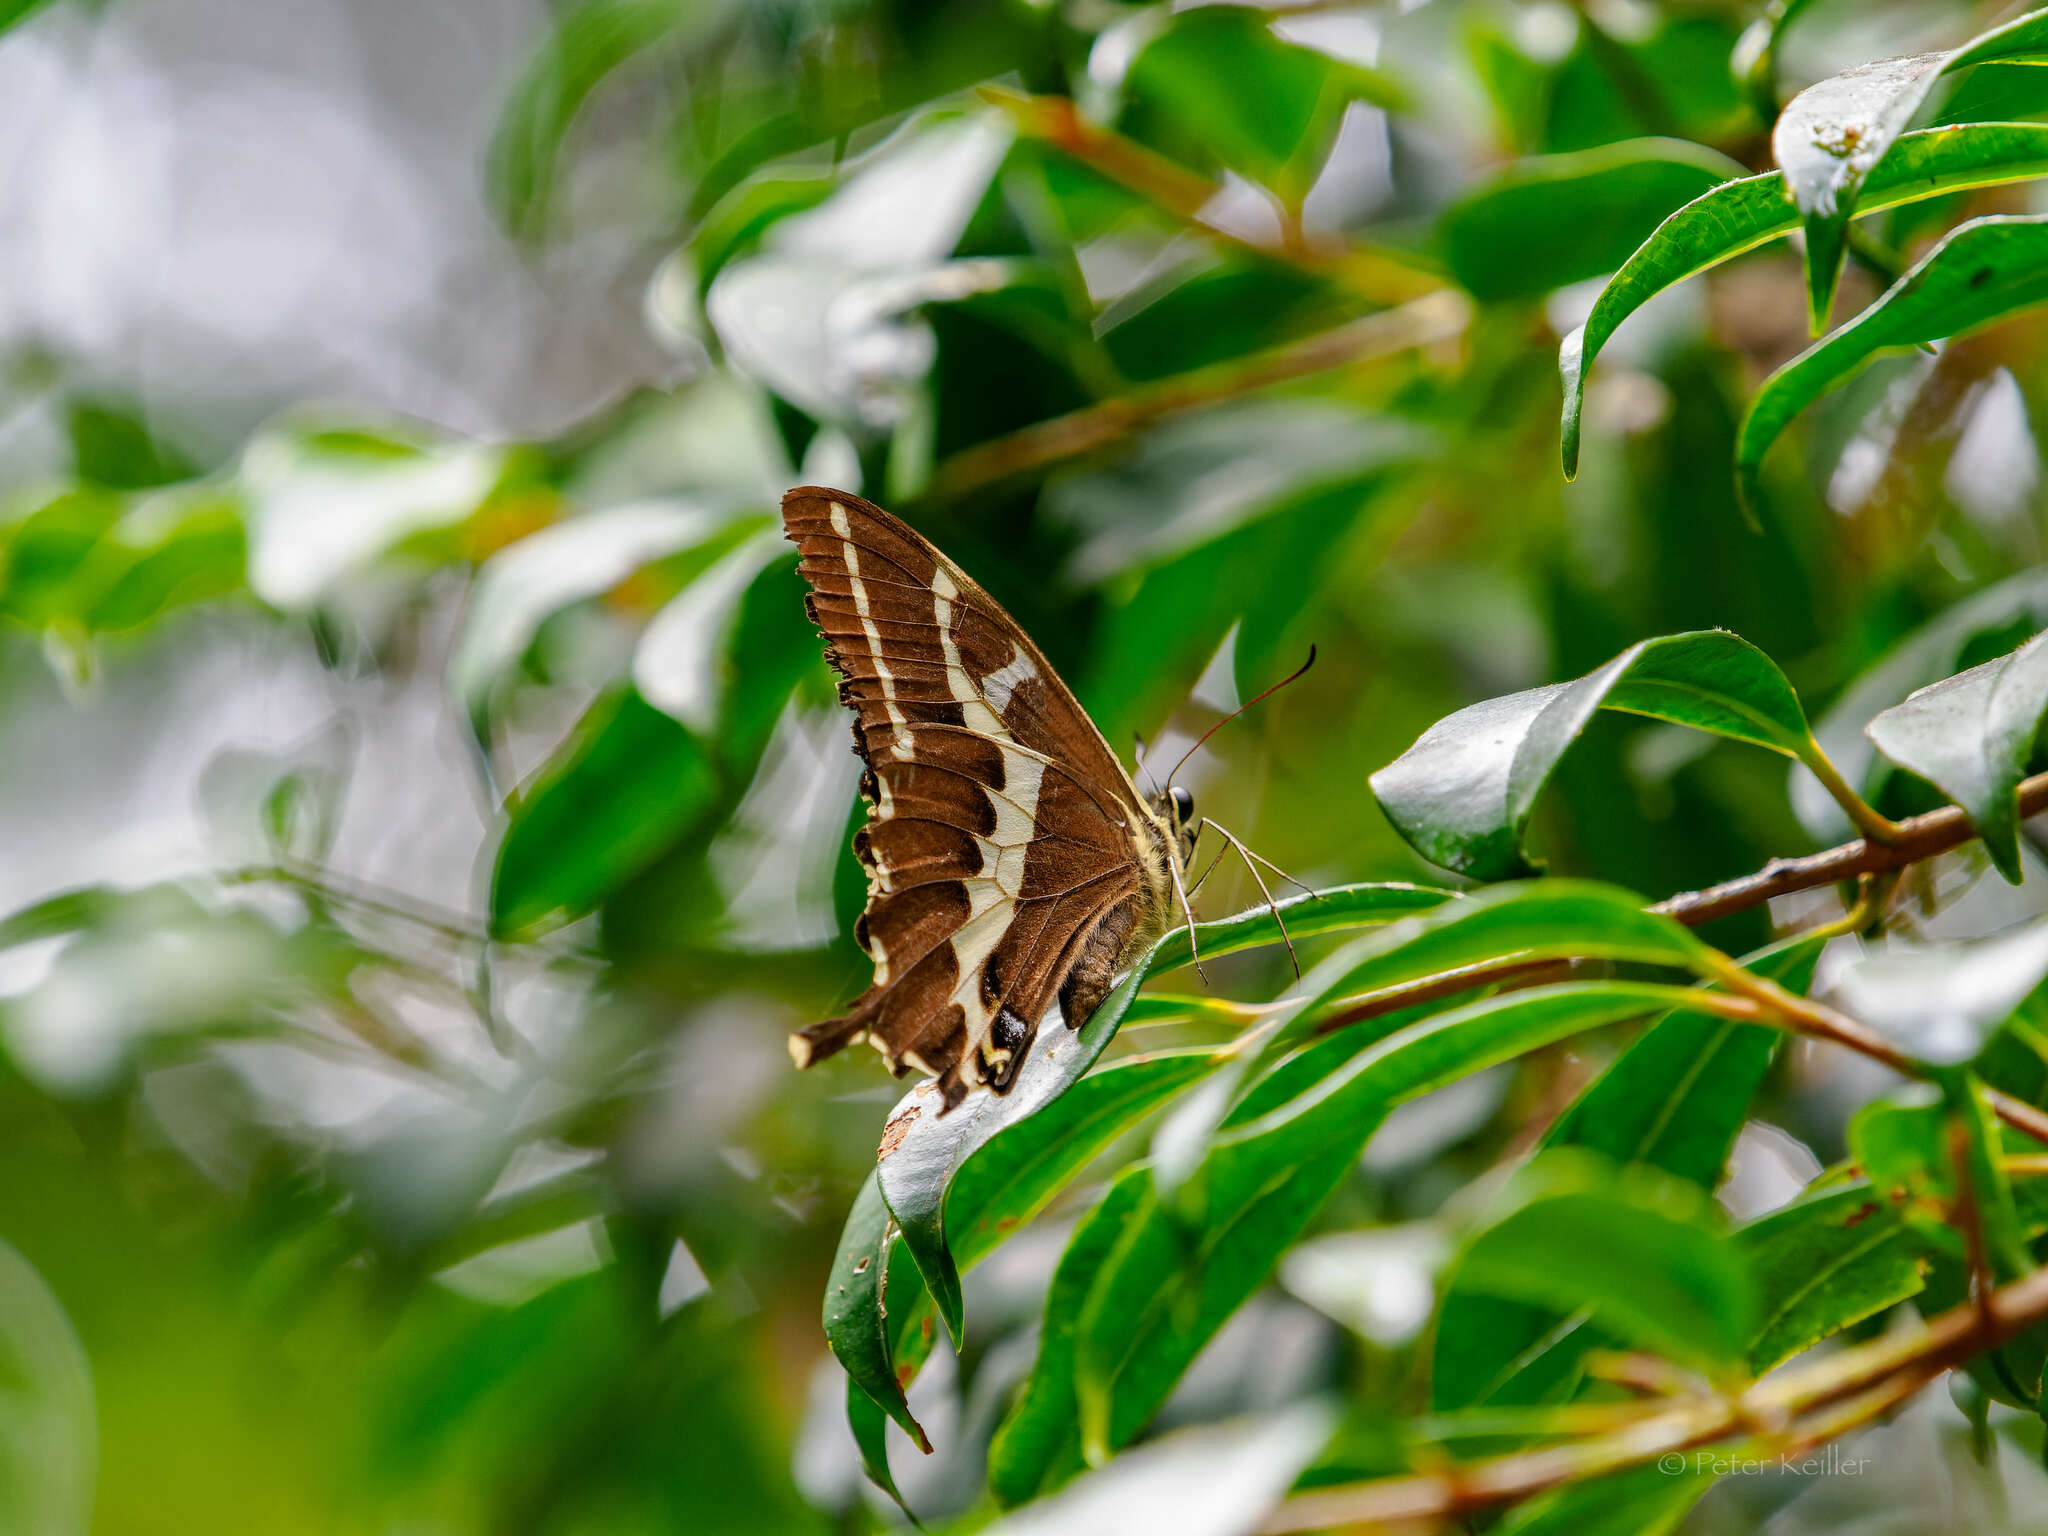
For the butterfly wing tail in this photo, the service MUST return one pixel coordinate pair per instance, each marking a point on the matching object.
(815, 1042)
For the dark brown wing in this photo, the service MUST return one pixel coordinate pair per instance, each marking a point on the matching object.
(1004, 843)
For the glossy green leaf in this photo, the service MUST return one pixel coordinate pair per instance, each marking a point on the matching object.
(625, 786)
(1038, 1445)
(2001, 615)
(1463, 793)
(2023, 40)
(1832, 134)
(1544, 223)
(1823, 1263)
(1826, 141)
(1972, 736)
(1739, 216)
(1980, 273)
(1676, 1098)
(1163, 1291)
(1642, 1252)
(1537, 920)
(857, 1308)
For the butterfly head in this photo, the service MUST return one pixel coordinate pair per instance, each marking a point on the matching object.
(1176, 807)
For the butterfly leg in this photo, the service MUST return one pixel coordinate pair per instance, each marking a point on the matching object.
(1187, 910)
(1220, 852)
(1252, 862)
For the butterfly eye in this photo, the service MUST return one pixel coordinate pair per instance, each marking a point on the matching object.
(1183, 804)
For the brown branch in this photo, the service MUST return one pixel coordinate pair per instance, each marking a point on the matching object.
(1865, 1381)
(1920, 837)
(1419, 323)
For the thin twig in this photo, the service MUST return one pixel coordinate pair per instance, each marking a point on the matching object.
(1920, 837)
(1421, 322)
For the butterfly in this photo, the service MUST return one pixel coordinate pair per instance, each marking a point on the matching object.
(1011, 861)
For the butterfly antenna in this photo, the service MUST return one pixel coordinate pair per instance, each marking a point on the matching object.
(1272, 906)
(1264, 693)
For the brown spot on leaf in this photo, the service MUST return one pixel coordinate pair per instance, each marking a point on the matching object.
(897, 1128)
(1860, 1214)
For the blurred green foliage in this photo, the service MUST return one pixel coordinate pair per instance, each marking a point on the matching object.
(416, 1151)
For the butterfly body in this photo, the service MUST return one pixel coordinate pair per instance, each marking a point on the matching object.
(1011, 862)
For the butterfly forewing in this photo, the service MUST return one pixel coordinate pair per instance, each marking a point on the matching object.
(1009, 858)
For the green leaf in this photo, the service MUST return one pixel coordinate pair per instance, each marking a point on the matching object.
(1972, 736)
(1827, 140)
(690, 653)
(857, 1310)
(869, 1422)
(1822, 1264)
(1258, 104)
(1536, 920)
(1833, 134)
(2004, 613)
(1980, 273)
(48, 1427)
(2023, 40)
(1642, 1252)
(625, 786)
(1163, 1290)
(1334, 909)
(1038, 1445)
(1674, 1100)
(1739, 216)
(1541, 224)
(588, 44)
(1463, 793)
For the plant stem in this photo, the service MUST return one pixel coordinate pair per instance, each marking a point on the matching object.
(1912, 840)
(1874, 827)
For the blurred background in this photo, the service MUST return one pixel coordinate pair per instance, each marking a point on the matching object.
(423, 805)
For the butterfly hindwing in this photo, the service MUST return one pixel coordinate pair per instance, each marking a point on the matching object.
(1010, 861)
